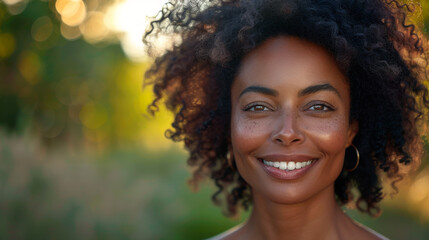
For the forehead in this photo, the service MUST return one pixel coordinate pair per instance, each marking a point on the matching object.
(291, 61)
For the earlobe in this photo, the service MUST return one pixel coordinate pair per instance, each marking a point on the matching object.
(230, 158)
(353, 130)
(230, 155)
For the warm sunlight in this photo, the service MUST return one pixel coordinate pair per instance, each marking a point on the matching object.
(129, 18)
(96, 21)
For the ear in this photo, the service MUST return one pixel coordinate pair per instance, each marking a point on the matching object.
(352, 131)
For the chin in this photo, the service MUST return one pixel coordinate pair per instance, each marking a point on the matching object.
(286, 195)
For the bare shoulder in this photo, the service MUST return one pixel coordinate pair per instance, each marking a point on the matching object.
(370, 233)
(230, 234)
(360, 232)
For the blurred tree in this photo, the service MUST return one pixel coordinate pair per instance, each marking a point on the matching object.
(64, 76)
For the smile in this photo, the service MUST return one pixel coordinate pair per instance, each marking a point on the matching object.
(288, 166)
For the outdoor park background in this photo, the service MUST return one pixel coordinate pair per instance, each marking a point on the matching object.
(79, 159)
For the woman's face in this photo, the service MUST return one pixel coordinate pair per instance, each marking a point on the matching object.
(290, 108)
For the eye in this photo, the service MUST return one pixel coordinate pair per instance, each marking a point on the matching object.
(256, 108)
(320, 107)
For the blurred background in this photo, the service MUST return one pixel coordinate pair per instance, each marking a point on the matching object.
(79, 156)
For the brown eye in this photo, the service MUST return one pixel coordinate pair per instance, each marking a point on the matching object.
(320, 107)
(257, 108)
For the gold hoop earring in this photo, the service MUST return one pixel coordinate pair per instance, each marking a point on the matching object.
(230, 158)
(357, 162)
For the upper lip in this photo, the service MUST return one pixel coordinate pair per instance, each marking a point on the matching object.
(287, 157)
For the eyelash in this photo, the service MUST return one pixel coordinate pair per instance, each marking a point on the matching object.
(326, 108)
(249, 107)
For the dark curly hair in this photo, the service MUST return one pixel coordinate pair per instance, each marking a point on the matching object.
(372, 42)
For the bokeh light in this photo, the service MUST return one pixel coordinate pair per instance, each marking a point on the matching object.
(7, 45)
(12, 2)
(130, 18)
(73, 12)
(16, 6)
(93, 29)
(125, 20)
(42, 29)
(30, 66)
(70, 33)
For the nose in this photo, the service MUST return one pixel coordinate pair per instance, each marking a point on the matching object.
(287, 131)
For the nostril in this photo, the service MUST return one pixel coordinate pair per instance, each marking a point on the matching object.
(285, 141)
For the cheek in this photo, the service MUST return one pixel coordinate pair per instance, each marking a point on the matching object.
(330, 135)
(330, 138)
(247, 134)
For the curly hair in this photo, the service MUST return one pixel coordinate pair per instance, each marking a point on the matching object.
(380, 53)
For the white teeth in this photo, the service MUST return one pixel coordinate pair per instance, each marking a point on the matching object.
(289, 166)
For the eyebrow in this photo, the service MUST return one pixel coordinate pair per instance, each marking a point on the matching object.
(259, 89)
(305, 91)
(317, 88)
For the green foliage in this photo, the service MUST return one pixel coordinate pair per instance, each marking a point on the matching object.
(124, 194)
(67, 91)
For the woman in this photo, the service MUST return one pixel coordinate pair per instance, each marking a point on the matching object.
(289, 105)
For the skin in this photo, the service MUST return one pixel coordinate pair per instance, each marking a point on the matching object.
(290, 98)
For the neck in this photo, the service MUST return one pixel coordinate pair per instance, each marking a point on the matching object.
(316, 218)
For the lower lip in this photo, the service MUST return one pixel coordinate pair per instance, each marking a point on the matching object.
(287, 174)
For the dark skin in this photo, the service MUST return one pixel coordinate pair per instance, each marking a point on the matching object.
(291, 103)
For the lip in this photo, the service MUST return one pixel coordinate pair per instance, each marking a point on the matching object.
(287, 158)
(287, 175)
